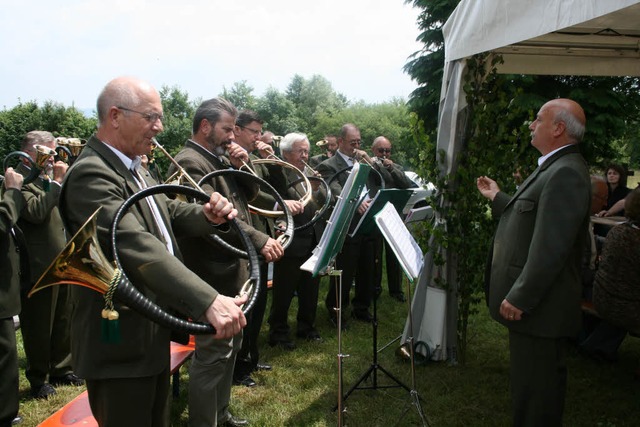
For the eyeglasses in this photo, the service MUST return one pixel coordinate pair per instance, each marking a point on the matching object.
(384, 150)
(256, 132)
(355, 142)
(150, 117)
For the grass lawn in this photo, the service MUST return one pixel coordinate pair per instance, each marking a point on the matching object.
(302, 389)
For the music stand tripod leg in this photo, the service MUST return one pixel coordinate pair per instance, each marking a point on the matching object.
(375, 366)
(338, 309)
(415, 397)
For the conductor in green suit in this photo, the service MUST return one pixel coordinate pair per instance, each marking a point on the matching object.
(128, 381)
(535, 283)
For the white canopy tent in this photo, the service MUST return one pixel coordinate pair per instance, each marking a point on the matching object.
(552, 37)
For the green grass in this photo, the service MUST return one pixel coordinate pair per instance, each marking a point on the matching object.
(302, 388)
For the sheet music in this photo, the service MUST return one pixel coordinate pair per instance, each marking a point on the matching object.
(337, 225)
(401, 241)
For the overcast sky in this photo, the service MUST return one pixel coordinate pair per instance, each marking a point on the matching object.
(65, 51)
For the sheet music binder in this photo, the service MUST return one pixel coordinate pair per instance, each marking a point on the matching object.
(398, 198)
(402, 243)
(338, 224)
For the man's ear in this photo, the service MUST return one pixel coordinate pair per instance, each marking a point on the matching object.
(560, 127)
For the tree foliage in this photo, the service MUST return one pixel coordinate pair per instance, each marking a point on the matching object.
(51, 116)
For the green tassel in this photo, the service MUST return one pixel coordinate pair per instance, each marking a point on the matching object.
(111, 331)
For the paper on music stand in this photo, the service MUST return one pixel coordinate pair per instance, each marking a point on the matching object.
(338, 224)
(401, 241)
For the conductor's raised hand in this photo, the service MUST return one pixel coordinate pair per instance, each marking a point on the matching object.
(218, 209)
(226, 316)
(487, 187)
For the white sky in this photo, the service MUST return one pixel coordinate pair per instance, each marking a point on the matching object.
(66, 50)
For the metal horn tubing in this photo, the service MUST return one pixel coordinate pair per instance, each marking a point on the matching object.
(33, 173)
(320, 212)
(128, 293)
(275, 161)
(285, 239)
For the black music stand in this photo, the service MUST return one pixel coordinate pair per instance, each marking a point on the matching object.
(394, 200)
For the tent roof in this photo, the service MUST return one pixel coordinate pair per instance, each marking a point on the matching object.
(578, 37)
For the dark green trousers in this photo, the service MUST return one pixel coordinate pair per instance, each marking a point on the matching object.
(8, 372)
(538, 379)
(44, 321)
(131, 402)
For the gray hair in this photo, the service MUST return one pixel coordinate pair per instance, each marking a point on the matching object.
(36, 137)
(291, 138)
(575, 129)
(212, 110)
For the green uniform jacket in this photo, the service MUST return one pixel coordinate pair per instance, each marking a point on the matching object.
(42, 226)
(99, 179)
(10, 206)
(538, 247)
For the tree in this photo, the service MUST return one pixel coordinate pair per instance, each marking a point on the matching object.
(52, 117)
(278, 112)
(313, 98)
(240, 95)
(178, 113)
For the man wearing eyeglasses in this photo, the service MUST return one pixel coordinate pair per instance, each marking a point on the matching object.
(357, 257)
(247, 133)
(394, 177)
(127, 374)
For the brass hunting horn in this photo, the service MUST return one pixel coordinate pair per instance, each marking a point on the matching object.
(83, 263)
(36, 167)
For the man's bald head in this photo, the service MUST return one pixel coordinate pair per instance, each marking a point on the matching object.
(123, 91)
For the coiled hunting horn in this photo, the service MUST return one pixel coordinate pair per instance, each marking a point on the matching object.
(83, 263)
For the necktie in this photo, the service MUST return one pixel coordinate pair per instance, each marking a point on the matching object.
(162, 228)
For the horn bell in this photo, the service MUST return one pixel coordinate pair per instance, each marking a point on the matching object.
(81, 262)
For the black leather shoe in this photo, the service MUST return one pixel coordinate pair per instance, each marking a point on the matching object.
(263, 367)
(17, 420)
(234, 422)
(399, 296)
(68, 379)
(363, 316)
(43, 391)
(312, 336)
(246, 381)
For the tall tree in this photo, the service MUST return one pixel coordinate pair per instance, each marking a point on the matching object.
(178, 112)
(278, 112)
(240, 95)
(312, 98)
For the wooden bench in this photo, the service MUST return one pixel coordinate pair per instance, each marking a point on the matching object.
(78, 413)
